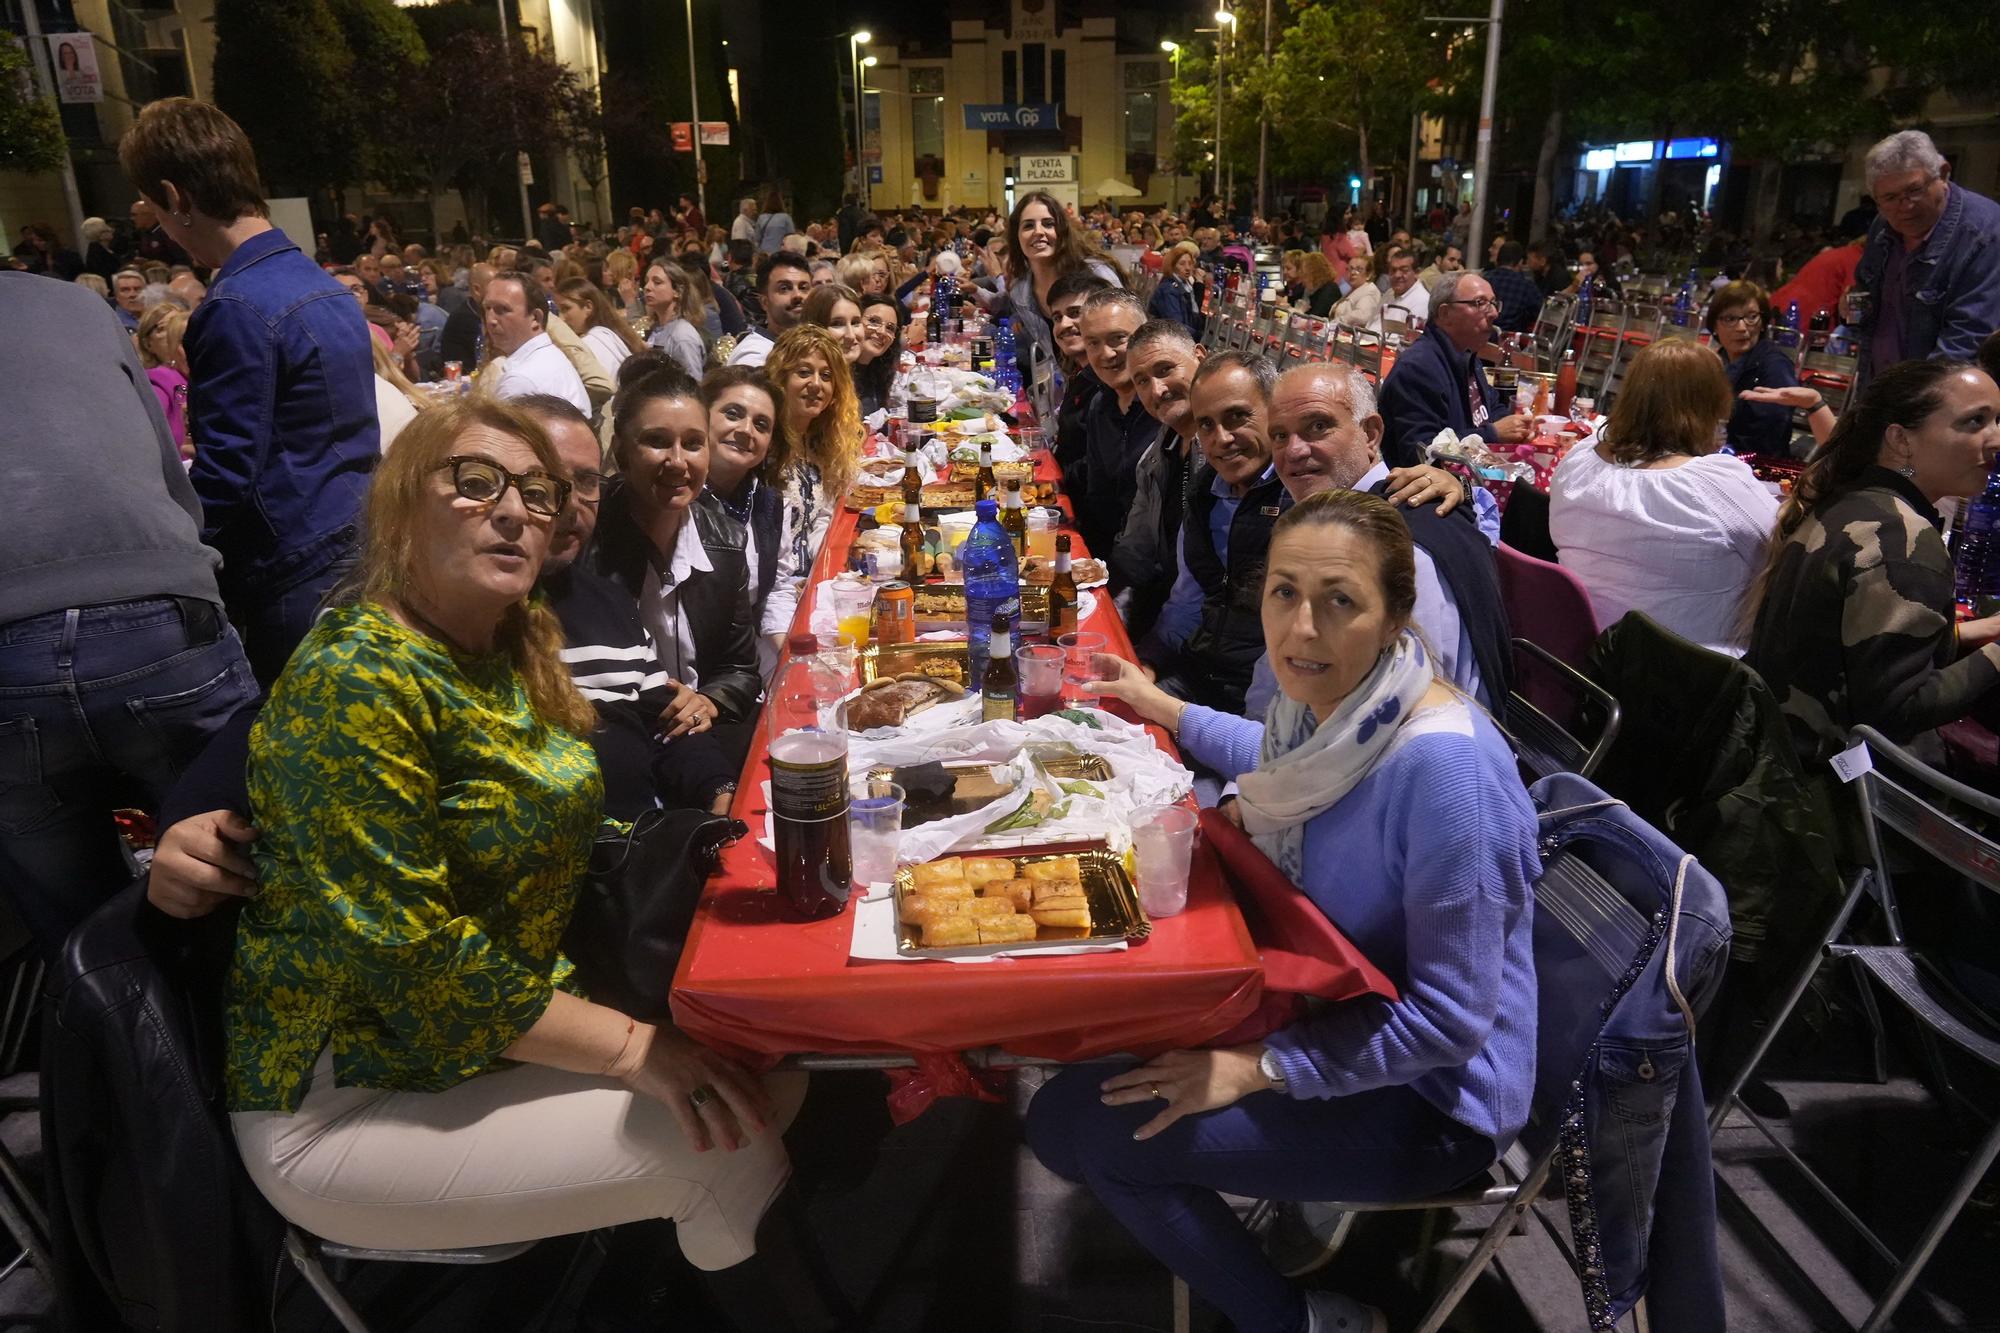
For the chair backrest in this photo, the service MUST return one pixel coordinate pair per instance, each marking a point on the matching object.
(1547, 606)
(1901, 793)
(1550, 703)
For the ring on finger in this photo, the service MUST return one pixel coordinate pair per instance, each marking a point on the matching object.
(701, 1096)
(1157, 1094)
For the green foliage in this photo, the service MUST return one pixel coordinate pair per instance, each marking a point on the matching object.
(31, 133)
(283, 70)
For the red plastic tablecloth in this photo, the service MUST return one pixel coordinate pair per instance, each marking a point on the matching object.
(754, 978)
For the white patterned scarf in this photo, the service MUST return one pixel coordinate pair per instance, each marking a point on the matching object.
(1305, 770)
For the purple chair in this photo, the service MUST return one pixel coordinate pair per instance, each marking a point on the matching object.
(1552, 701)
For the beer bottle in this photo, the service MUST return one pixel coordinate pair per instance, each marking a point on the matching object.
(912, 542)
(1062, 592)
(1014, 518)
(913, 479)
(982, 485)
(996, 692)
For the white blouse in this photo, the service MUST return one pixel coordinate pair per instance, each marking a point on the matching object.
(609, 349)
(1681, 544)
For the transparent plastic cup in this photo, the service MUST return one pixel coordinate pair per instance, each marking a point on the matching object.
(1163, 846)
(874, 829)
(1038, 667)
(1080, 667)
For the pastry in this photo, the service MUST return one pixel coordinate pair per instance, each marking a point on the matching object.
(941, 932)
(1019, 892)
(1060, 867)
(1062, 913)
(1009, 929)
(979, 870)
(948, 870)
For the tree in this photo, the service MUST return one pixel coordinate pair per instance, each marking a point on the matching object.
(31, 133)
(385, 50)
(282, 71)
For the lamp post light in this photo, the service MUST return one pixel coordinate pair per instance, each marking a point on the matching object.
(1225, 24)
(1173, 50)
(1482, 157)
(855, 41)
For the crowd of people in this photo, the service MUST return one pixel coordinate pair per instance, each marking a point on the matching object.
(386, 572)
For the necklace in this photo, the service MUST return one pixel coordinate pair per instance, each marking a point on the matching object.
(739, 512)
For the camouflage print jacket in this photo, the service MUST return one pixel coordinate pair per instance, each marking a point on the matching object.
(1856, 625)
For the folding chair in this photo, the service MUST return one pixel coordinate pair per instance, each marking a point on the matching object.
(1550, 702)
(308, 1254)
(1551, 330)
(1587, 932)
(1915, 803)
(1604, 342)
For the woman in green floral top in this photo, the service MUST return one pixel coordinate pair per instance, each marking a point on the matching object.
(408, 1065)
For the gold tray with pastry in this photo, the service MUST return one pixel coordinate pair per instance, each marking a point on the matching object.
(944, 603)
(938, 497)
(972, 906)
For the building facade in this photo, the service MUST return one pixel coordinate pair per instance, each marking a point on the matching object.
(1022, 94)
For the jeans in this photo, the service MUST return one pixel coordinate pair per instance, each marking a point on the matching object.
(273, 622)
(1384, 1145)
(100, 706)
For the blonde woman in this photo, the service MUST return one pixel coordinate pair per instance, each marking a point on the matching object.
(667, 291)
(819, 424)
(397, 401)
(408, 1064)
(587, 311)
(866, 272)
(621, 283)
(160, 332)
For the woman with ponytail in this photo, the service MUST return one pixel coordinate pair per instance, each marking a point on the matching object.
(409, 1066)
(1854, 616)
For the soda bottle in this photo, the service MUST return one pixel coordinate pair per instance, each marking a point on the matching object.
(996, 687)
(992, 584)
(806, 726)
(1566, 382)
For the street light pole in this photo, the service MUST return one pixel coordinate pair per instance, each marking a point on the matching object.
(855, 41)
(1225, 23)
(514, 121)
(1482, 158)
(694, 109)
(1173, 50)
(1264, 123)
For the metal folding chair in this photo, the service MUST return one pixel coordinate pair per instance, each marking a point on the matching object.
(1551, 331)
(1915, 804)
(1586, 933)
(309, 1255)
(1545, 744)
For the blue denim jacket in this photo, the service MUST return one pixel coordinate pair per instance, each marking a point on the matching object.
(1650, 1183)
(282, 404)
(1952, 281)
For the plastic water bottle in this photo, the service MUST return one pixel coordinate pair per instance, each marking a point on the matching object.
(1792, 315)
(1976, 555)
(992, 583)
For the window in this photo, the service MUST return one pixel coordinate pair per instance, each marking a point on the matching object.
(1142, 114)
(927, 119)
(1058, 76)
(1009, 77)
(1034, 73)
(871, 128)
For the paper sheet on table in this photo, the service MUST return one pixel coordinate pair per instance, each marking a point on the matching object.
(875, 935)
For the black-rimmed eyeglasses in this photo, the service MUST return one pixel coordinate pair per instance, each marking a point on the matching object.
(484, 481)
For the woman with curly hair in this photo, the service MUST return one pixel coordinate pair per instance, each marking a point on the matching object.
(819, 423)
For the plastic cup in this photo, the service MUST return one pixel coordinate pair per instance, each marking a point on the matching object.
(1163, 846)
(853, 605)
(1042, 534)
(1038, 667)
(874, 829)
(1080, 667)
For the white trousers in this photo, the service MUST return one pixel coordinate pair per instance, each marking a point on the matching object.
(519, 1154)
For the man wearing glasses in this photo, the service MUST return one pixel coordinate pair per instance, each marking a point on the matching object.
(1929, 279)
(1439, 381)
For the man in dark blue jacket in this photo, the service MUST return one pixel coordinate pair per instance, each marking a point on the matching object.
(282, 404)
(1439, 381)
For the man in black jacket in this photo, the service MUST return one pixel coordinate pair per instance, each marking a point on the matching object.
(1080, 385)
(1439, 382)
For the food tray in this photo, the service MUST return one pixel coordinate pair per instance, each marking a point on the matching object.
(1115, 913)
(945, 659)
(941, 497)
(1073, 768)
(944, 604)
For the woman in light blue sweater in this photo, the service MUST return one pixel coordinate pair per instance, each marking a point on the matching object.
(1394, 805)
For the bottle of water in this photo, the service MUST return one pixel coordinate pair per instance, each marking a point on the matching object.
(1976, 555)
(992, 583)
(1792, 315)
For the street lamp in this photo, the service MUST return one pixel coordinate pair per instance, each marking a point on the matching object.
(1482, 157)
(857, 39)
(694, 109)
(1225, 24)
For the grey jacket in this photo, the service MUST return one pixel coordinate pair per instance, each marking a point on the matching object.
(99, 505)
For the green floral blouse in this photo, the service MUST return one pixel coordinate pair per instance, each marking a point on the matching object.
(422, 835)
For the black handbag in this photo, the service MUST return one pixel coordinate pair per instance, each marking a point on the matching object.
(637, 902)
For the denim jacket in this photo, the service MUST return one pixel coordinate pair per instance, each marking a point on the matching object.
(1645, 1203)
(282, 406)
(1951, 281)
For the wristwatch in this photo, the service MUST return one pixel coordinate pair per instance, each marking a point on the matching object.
(1267, 1065)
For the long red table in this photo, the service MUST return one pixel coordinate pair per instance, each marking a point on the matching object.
(755, 978)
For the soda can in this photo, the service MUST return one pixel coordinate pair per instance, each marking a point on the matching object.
(895, 613)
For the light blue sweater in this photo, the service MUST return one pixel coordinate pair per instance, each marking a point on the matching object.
(1428, 865)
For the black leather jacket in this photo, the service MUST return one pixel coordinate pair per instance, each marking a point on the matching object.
(597, 600)
(155, 1223)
